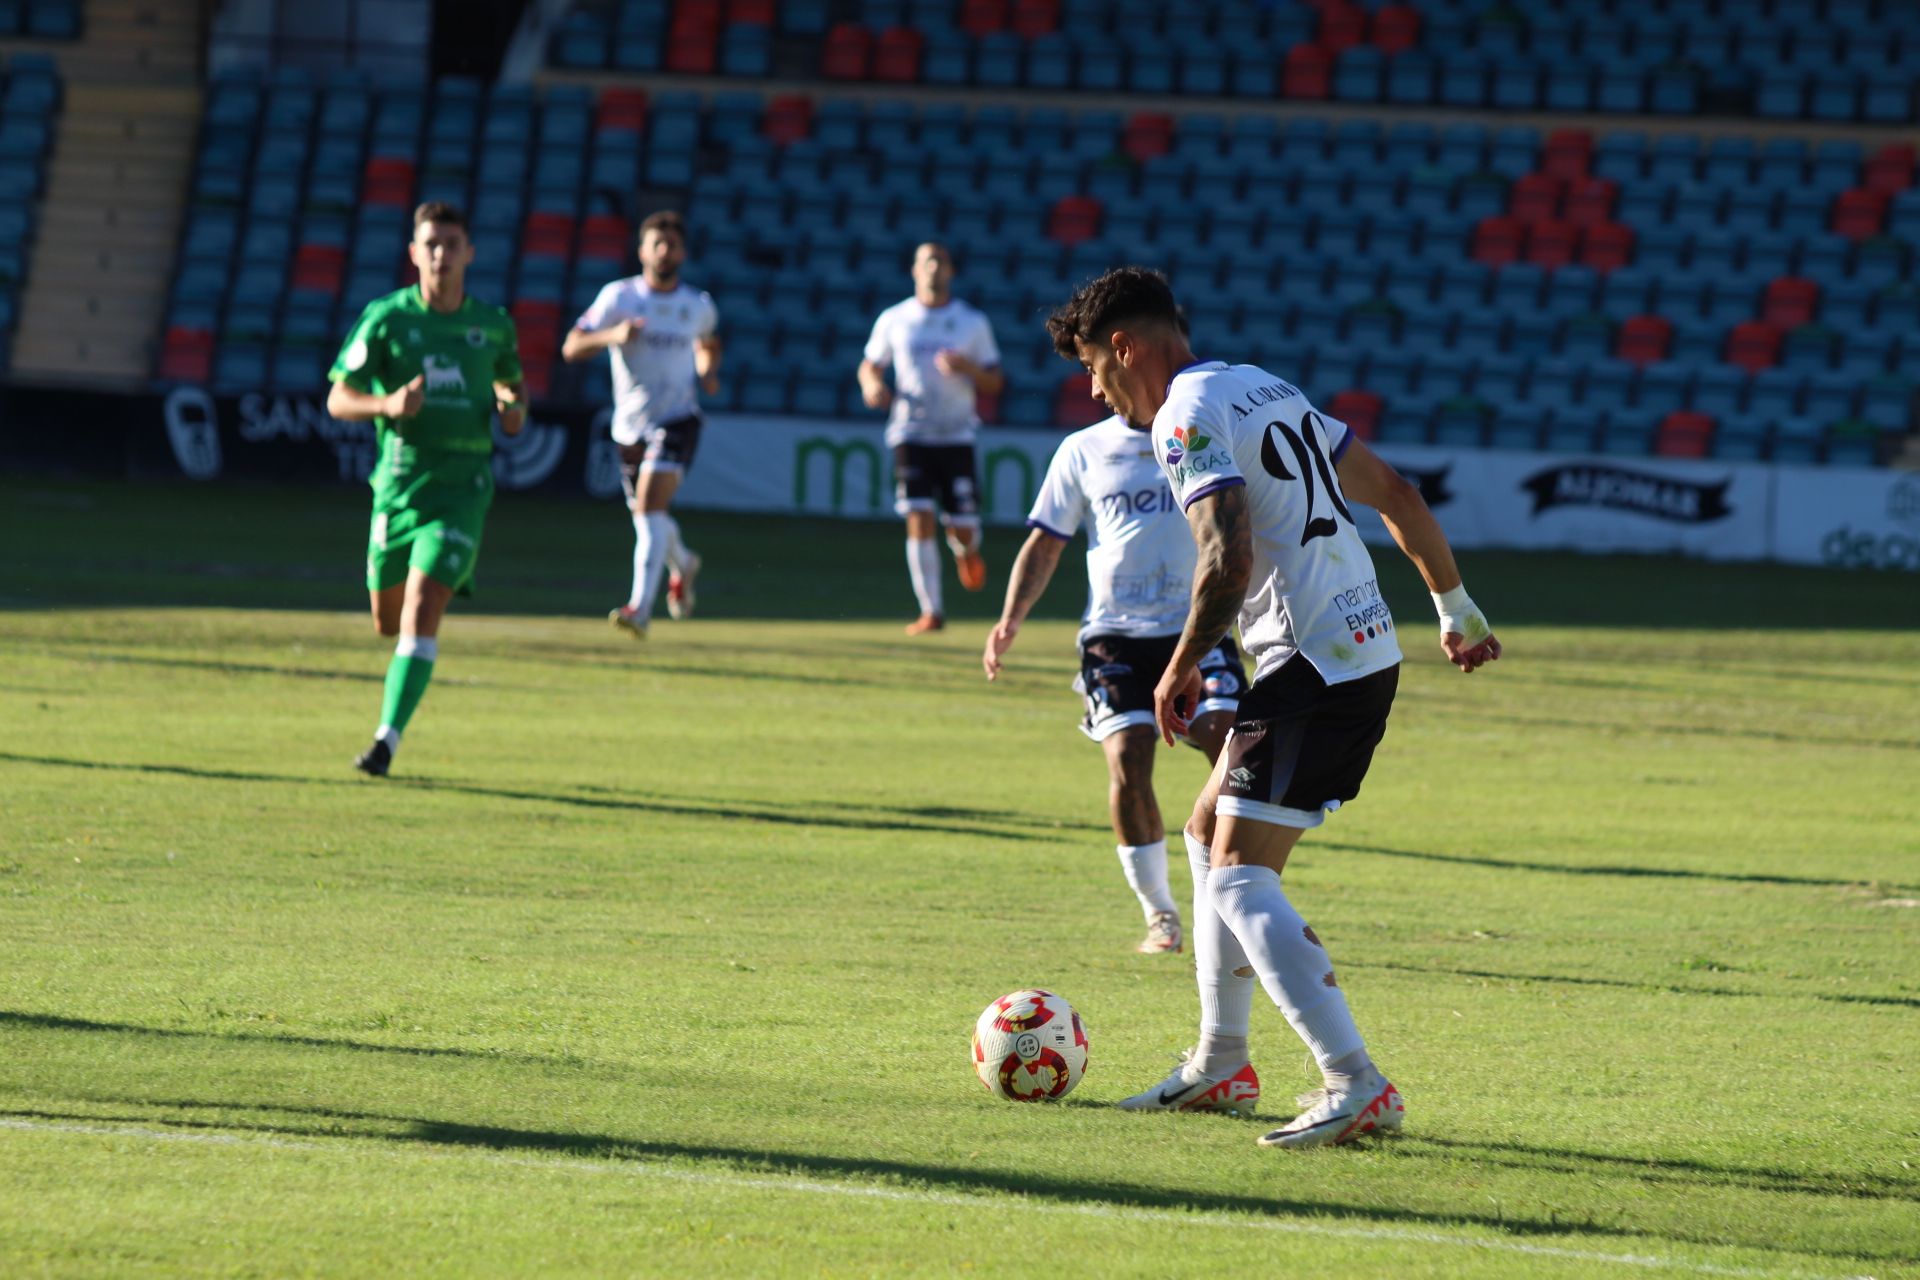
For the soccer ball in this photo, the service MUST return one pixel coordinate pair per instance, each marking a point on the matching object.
(1029, 1046)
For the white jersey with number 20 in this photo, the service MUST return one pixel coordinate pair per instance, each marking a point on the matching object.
(1313, 589)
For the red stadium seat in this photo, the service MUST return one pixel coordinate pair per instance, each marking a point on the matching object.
(696, 15)
(983, 17)
(388, 181)
(1147, 135)
(605, 237)
(1396, 28)
(1754, 346)
(319, 267)
(1309, 72)
(988, 407)
(1498, 241)
(1589, 201)
(758, 13)
(1074, 405)
(896, 55)
(548, 233)
(1683, 435)
(537, 323)
(1552, 243)
(1035, 17)
(1535, 197)
(1890, 169)
(1859, 214)
(1342, 26)
(844, 53)
(1074, 220)
(1606, 246)
(187, 355)
(621, 110)
(1568, 154)
(1790, 302)
(694, 50)
(536, 373)
(1644, 340)
(788, 119)
(1360, 410)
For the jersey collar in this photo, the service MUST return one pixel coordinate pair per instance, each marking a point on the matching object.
(1189, 367)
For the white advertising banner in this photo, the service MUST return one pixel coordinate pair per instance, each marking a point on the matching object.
(1589, 502)
(1848, 519)
(1485, 498)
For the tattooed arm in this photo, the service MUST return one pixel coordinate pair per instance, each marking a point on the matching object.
(1032, 571)
(1224, 540)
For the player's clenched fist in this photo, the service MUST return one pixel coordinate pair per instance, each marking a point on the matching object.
(406, 402)
(626, 331)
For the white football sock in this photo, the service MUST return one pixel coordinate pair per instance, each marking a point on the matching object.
(1146, 868)
(923, 563)
(388, 734)
(676, 549)
(1226, 997)
(1292, 964)
(959, 548)
(649, 556)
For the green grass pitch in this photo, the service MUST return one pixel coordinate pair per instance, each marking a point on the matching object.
(661, 960)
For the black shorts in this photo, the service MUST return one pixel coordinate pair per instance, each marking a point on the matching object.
(1301, 746)
(1118, 675)
(667, 447)
(926, 475)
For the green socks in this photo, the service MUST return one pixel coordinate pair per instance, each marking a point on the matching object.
(407, 677)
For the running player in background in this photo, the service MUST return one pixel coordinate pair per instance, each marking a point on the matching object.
(1139, 575)
(430, 367)
(660, 335)
(1264, 479)
(943, 356)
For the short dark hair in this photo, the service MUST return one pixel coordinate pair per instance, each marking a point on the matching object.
(1123, 296)
(664, 221)
(942, 246)
(439, 211)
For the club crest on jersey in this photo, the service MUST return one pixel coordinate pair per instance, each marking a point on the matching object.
(1186, 440)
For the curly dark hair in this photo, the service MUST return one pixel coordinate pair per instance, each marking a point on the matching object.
(1123, 296)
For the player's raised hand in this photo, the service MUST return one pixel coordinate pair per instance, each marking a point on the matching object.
(406, 402)
(1174, 699)
(626, 331)
(951, 362)
(1470, 657)
(511, 408)
(999, 640)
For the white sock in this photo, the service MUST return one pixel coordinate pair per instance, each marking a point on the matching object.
(676, 549)
(959, 548)
(1226, 997)
(388, 734)
(1146, 868)
(649, 556)
(1292, 964)
(923, 563)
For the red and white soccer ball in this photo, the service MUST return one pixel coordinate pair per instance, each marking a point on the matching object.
(1029, 1046)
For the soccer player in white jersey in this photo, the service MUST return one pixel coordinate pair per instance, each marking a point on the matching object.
(1264, 479)
(659, 333)
(942, 355)
(1139, 574)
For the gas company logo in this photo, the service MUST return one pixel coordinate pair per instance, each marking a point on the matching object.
(1183, 441)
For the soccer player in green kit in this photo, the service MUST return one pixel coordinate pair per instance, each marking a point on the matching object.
(430, 366)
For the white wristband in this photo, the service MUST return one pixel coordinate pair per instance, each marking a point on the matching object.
(1459, 614)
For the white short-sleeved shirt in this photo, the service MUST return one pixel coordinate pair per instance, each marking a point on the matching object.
(653, 376)
(1139, 551)
(930, 407)
(1313, 589)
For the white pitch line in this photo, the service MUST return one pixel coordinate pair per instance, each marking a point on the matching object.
(743, 1182)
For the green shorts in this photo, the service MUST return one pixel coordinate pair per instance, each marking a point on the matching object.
(433, 525)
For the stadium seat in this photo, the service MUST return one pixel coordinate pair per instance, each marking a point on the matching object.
(845, 53)
(1859, 213)
(1644, 339)
(1683, 434)
(1753, 346)
(896, 56)
(1308, 72)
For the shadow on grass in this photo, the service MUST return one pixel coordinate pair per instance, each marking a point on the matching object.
(1565, 869)
(324, 1122)
(675, 808)
(10, 1018)
(1898, 1002)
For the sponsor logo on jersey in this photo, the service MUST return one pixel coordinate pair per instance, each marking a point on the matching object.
(443, 374)
(1183, 441)
(1144, 502)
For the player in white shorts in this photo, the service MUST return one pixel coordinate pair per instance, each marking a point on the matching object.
(1264, 479)
(1139, 572)
(943, 356)
(660, 334)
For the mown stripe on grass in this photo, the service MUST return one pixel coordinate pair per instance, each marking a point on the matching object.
(805, 1186)
(1609, 869)
(1627, 984)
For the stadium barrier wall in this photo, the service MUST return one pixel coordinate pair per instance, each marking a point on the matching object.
(1835, 516)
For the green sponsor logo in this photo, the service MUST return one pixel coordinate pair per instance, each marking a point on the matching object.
(838, 453)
